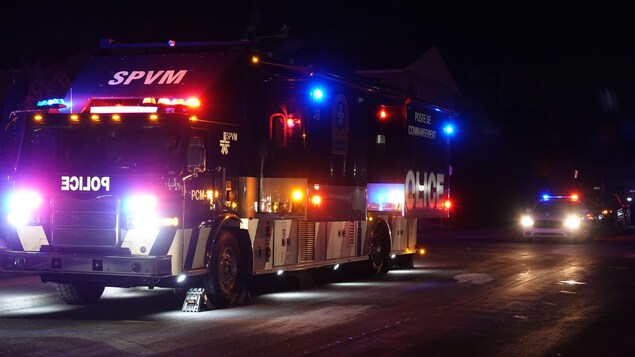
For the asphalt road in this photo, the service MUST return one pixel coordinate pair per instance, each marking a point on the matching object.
(477, 293)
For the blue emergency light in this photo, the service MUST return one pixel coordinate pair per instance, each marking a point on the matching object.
(317, 94)
(546, 197)
(52, 103)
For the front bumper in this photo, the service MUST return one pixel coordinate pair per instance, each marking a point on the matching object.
(149, 267)
(553, 233)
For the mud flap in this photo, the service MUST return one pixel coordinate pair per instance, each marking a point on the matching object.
(195, 300)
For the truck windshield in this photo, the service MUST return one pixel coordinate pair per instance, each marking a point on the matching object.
(137, 150)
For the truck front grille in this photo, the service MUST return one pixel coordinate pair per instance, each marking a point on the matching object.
(84, 222)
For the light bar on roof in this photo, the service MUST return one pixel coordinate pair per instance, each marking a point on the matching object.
(123, 109)
(573, 197)
(53, 102)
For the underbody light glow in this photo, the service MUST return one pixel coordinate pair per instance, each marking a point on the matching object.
(571, 282)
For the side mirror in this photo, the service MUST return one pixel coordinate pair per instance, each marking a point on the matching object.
(196, 155)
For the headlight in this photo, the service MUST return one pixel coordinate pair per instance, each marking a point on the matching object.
(526, 221)
(23, 207)
(572, 222)
(141, 212)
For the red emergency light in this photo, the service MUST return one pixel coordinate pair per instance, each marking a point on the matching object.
(382, 114)
(292, 122)
(142, 105)
(388, 112)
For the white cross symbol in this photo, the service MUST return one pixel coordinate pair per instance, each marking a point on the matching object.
(224, 146)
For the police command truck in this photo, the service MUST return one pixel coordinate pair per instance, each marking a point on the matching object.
(202, 166)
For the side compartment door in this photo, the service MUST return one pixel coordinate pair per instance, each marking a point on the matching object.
(341, 239)
(285, 237)
(399, 229)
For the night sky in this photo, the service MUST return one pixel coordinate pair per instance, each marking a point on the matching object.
(545, 89)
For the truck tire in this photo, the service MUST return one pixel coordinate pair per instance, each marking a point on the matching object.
(80, 293)
(225, 282)
(378, 249)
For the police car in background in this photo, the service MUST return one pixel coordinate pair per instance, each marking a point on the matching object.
(560, 217)
(610, 213)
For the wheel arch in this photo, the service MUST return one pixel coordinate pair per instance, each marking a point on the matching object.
(379, 245)
(230, 222)
(382, 227)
